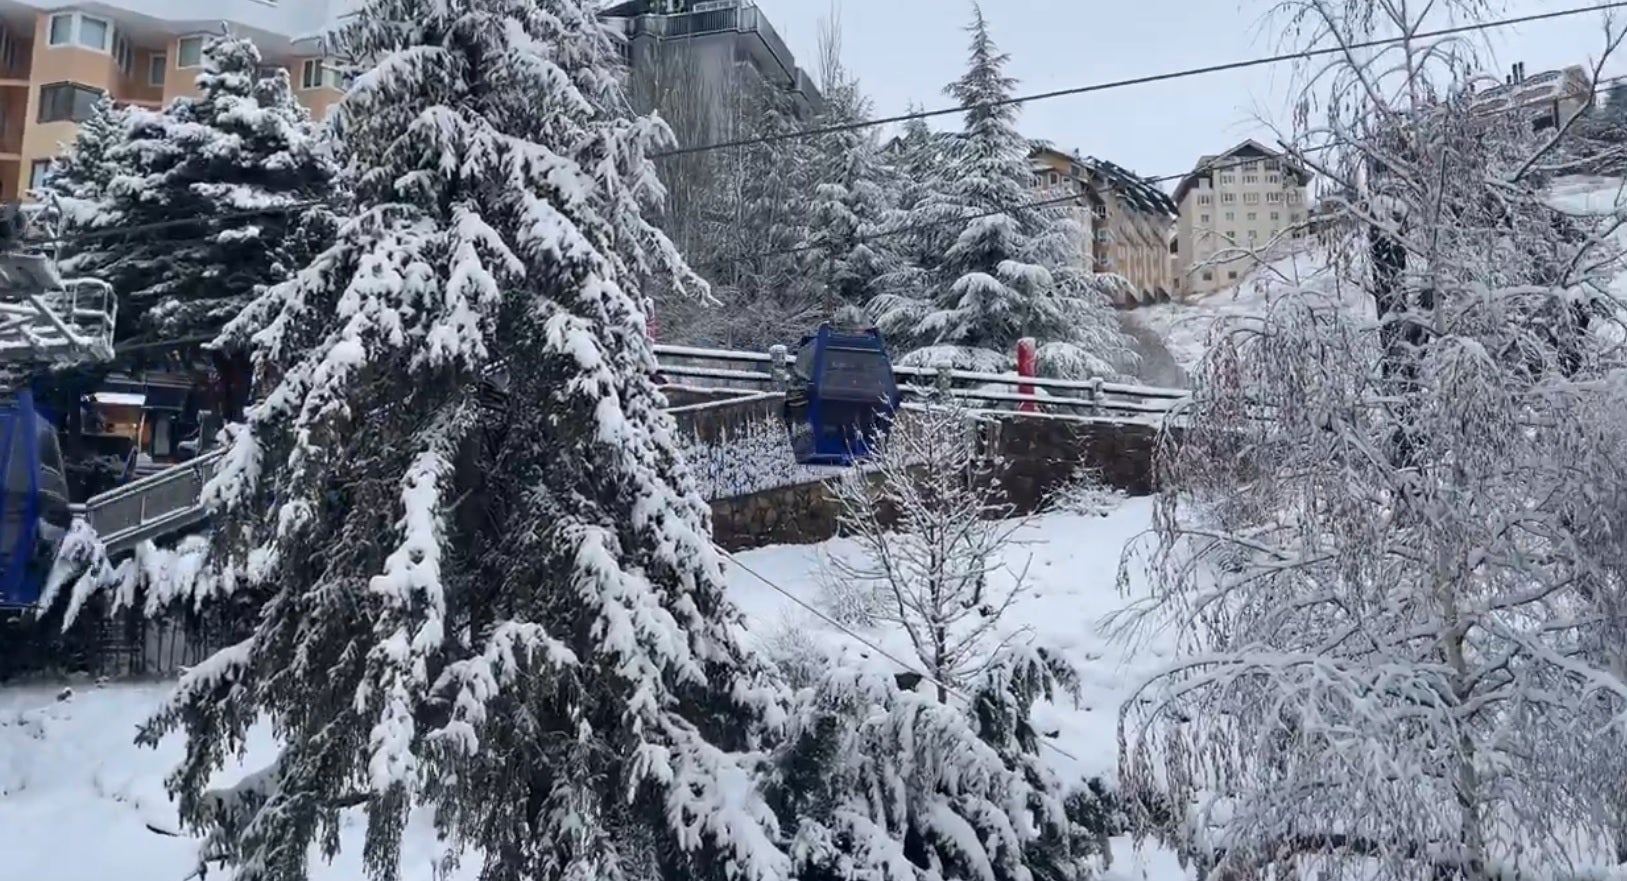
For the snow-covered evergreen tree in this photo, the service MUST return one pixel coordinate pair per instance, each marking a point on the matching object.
(76, 187)
(753, 216)
(1384, 547)
(215, 186)
(883, 782)
(853, 193)
(1010, 271)
(512, 614)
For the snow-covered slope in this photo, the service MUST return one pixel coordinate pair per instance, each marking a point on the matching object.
(77, 797)
(1185, 327)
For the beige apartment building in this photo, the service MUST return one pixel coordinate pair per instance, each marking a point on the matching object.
(1127, 219)
(1236, 209)
(56, 62)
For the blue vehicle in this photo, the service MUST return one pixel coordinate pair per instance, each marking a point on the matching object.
(34, 513)
(841, 398)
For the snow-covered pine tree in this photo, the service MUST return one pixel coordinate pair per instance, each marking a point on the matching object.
(76, 186)
(879, 781)
(1005, 276)
(510, 614)
(1384, 546)
(232, 181)
(752, 216)
(853, 193)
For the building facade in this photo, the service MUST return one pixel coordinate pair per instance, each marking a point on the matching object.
(701, 50)
(1127, 219)
(1236, 210)
(1547, 99)
(57, 61)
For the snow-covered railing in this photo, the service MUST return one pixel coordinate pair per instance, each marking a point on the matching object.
(147, 508)
(1094, 397)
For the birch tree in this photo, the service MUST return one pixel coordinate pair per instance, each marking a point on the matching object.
(1381, 557)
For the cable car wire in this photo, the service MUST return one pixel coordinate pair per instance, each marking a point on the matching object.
(1109, 85)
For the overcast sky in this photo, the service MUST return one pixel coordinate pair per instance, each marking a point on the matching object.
(904, 50)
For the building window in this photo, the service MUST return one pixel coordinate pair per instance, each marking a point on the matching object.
(1205, 199)
(1273, 178)
(1208, 276)
(8, 50)
(1231, 215)
(1228, 198)
(1203, 218)
(1232, 275)
(1276, 215)
(60, 102)
(1294, 217)
(37, 173)
(1227, 180)
(1251, 198)
(1252, 217)
(157, 66)
(1293, 197)
(79, 29)
(1273, 197)
(1252, 234)
(189, 52)
(1251, 178)
(122, 54)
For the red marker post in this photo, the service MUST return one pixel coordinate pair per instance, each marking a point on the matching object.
(1027, 364)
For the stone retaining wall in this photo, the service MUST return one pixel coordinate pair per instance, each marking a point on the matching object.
(1037, 455)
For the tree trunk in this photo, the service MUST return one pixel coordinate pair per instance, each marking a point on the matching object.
(236, 371)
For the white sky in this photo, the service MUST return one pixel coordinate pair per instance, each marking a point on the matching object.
(905, 50)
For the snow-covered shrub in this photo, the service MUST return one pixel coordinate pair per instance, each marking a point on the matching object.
(751, 459)
(876, 781)
(1085, 493)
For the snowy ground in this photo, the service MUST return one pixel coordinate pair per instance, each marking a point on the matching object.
(1185, 327)
(77, 796)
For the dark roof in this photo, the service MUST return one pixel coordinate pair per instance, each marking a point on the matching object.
(1136, 191)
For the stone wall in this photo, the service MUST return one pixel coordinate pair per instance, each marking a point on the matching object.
(1036, 456)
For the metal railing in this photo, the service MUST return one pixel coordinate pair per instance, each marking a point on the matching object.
(1093, 399)
(151, 507)
(167, 502)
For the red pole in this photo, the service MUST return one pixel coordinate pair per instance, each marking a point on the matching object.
(1027, 356)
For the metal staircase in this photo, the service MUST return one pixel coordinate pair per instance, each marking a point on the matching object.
(156, 506)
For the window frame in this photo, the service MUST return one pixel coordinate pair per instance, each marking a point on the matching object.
(76, 26)
(180, 52)
(37, 170)
(71, 86)
(159, 62)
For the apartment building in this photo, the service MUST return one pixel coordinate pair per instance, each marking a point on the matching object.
(1547, 99)
(1130, 218)
(1236, 209)
(702, 48)
(57, 61)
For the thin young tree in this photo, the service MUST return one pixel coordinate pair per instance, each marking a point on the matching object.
(933, 531)
(1374, 551)
(509, 615)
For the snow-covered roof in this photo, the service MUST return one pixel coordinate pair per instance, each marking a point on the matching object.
(1250, 148)
(1550, 85)
(1136, 192)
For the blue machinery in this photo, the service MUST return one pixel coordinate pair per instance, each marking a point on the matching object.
(45, 321)
(840, 398)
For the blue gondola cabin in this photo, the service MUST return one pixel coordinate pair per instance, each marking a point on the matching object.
(841, 398)
(34, 513)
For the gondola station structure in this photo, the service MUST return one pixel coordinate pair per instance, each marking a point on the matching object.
(46, 321)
